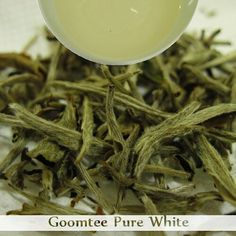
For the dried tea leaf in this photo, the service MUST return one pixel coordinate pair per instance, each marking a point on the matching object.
(42, 207)
(47, 183)
(21, 62)
(163, 193)
(179, 125)
(87, 129)
(186, 204)
(153, 136)
(102, 200)
(216, 168)
(120, 98)
(17, 148)
(64, 136)
(47, 149)
(166, 171)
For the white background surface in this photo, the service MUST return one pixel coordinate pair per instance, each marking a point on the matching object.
(20, 19)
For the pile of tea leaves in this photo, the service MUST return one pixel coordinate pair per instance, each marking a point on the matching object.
(144, 130)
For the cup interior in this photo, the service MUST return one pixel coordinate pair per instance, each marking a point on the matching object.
(188, 9)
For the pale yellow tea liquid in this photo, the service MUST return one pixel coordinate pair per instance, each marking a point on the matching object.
(116, 29)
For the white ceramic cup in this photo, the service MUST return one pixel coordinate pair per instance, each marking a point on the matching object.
(187, 12)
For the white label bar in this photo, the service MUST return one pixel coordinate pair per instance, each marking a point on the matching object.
(118, 223)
